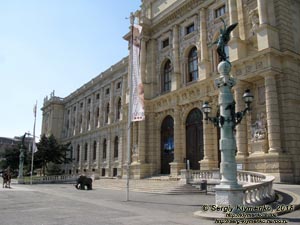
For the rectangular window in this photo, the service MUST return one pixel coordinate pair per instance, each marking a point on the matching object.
(220, 11)
(89, 101)
(118, 85)
(98, 96)
(165, 43)
(189, 29)
(107, 91)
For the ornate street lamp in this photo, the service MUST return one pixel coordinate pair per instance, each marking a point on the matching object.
(236, 117)
(228, 192)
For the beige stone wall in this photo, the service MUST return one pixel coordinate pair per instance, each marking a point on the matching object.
(89, 116)
(264, 52)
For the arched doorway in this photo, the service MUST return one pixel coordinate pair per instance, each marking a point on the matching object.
(194, 139)
(167, 144)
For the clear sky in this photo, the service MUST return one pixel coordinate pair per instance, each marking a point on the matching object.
(59, 45)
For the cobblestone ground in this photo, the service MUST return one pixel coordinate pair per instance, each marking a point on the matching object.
(64, 205)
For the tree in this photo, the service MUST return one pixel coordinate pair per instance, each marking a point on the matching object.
(10, 157)
(50, 151)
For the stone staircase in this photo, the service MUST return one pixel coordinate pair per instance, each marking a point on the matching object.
(150, 185)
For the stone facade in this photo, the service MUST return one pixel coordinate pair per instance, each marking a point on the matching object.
(265, 54)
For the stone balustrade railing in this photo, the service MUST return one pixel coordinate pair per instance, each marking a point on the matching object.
(51, 179)
(258, 187)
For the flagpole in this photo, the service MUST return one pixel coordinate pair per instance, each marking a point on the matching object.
(33, 143)
(129, 110)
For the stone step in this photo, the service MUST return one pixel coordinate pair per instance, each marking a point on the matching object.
(148, 186)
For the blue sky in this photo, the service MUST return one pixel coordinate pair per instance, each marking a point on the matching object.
(59, 45)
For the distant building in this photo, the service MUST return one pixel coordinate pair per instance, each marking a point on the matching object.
(12, 142)
(178, 72)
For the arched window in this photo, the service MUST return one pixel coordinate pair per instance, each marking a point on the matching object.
(94, 150)
(194, 138)
(104, 149)
(166, 77)
(193, 65)
(116, 147)
(119, 105)
(85, 151)
(107, 113)
(167, 144)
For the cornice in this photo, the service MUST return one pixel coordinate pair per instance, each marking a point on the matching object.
(179, 11)
(101, 78)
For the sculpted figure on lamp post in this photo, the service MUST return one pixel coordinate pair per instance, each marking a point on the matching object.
(223, 40)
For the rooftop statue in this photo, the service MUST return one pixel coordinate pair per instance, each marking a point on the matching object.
(223, 40)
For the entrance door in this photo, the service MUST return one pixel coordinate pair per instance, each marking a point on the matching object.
(167, 144)
(194, 139)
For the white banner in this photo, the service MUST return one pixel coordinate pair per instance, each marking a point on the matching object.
(137, 103)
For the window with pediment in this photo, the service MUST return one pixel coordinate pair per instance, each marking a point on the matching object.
(220, 11)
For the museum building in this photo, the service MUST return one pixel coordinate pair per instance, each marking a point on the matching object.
(178, 64)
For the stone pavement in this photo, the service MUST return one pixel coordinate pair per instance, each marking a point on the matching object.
(62, 204)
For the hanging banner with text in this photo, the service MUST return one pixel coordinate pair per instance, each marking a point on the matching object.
(137, 103)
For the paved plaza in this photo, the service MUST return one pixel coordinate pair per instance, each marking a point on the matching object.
(62, 204)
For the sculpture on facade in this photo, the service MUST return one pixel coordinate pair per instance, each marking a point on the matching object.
(223, 40)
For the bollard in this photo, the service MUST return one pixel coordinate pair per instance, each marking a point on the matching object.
(203, 185)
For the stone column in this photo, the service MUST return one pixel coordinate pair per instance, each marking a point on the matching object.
(233, 17)
(228, 192)
(241, 129)
(111, 104)
(134, 143)
(178, 163)
(98, 161)
(204, 58)
(272, 110)
(237, 48)
(176, 76)
(241, 19)
(108, 155)
(141, 141)
(208, 138)
(143, 59)
(267, 36)
(262, 11)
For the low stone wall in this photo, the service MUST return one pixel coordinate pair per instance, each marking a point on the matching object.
(51, 179)
(258, 187)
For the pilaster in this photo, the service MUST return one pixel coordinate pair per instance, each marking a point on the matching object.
(267, 35)
(204, 64)
(178, 163)
(208, 162)
(241, 129)
(176, 76)
(237, 48)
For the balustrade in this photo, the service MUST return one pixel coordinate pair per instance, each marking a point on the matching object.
(258, 187)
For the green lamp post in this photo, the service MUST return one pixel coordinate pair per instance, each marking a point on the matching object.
(228, 192)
